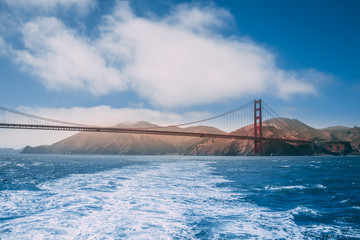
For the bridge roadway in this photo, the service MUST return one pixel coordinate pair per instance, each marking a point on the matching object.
(145, 131)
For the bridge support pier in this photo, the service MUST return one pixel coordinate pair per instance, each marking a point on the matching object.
(257, 128)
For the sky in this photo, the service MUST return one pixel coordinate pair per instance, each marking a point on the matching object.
(170, 61)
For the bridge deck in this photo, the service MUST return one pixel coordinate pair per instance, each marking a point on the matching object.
(144, 131)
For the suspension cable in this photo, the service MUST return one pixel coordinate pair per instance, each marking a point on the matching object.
(42, 118)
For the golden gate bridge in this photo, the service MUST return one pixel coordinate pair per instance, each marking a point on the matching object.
(252, 121)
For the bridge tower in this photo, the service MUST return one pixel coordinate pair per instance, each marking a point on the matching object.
(257, 128)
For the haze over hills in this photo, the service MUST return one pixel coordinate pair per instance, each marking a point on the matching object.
(9, 151)
(341, 133)
(112, 143)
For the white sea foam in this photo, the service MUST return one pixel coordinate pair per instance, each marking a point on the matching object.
(20, 203)
(303, 210)
(320, 186)
(166, 200)
(279, 188)
(285, 166)
(295, 187)
(22, 165)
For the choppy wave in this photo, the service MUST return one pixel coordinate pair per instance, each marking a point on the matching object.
(304, 210)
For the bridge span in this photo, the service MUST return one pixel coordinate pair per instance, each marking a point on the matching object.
(238, 118)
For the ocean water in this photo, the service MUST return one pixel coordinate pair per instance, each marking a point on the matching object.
(179, 197)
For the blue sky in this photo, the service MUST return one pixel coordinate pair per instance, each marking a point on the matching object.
(102, 62)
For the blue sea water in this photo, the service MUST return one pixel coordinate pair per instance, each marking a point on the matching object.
(179, 197)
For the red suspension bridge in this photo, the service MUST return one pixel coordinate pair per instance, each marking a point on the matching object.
(251, 121)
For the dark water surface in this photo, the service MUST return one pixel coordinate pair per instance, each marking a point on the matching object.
(179, 197)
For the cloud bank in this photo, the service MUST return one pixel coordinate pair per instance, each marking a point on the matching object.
(178, 60)
(107, 116)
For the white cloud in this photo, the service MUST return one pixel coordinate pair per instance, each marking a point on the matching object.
(201, 19)
(180, 60)
(50, 5)
(289, 83)
(64, 60)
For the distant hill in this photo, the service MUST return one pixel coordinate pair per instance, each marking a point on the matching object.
(342, 133)
(271, 129)
(9, 151)
(112, 143)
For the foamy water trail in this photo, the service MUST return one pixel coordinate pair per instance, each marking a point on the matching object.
(166, 200)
